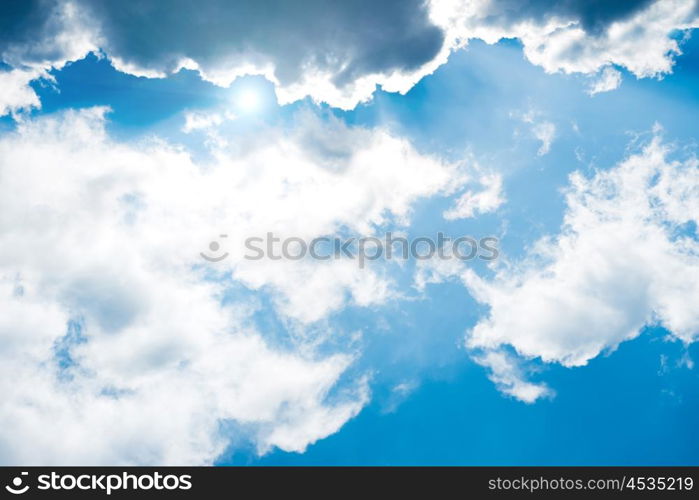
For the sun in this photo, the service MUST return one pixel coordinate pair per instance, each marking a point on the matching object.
(248, 100)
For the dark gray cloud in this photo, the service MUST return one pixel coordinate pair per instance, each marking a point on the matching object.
(22, 24)
(593, 15)
(43, 33)
(20, 19)
(335, 51)
(349, 39)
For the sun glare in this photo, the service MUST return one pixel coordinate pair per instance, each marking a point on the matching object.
(248, 100)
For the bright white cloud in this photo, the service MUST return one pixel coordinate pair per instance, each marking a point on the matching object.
(627, 257)
(557, 39)
(15, 92)
(324, 177)
(107, 235)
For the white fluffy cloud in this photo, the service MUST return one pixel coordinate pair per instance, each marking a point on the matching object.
(627, 257)
(561, 38)
(121, 345)
(16, 92)
(340, 52)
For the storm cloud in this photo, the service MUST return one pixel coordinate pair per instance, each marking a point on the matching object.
(336, 52)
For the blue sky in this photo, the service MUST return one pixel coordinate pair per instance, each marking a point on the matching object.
(575, 348)
(620, 409)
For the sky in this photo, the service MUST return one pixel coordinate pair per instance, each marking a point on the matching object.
(135, 136)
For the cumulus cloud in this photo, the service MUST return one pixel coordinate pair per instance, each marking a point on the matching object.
(122, 345)
(321, 178)
(16, 94)
(334, 52)
(627, 256)
(339, 52)
(575, 36)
